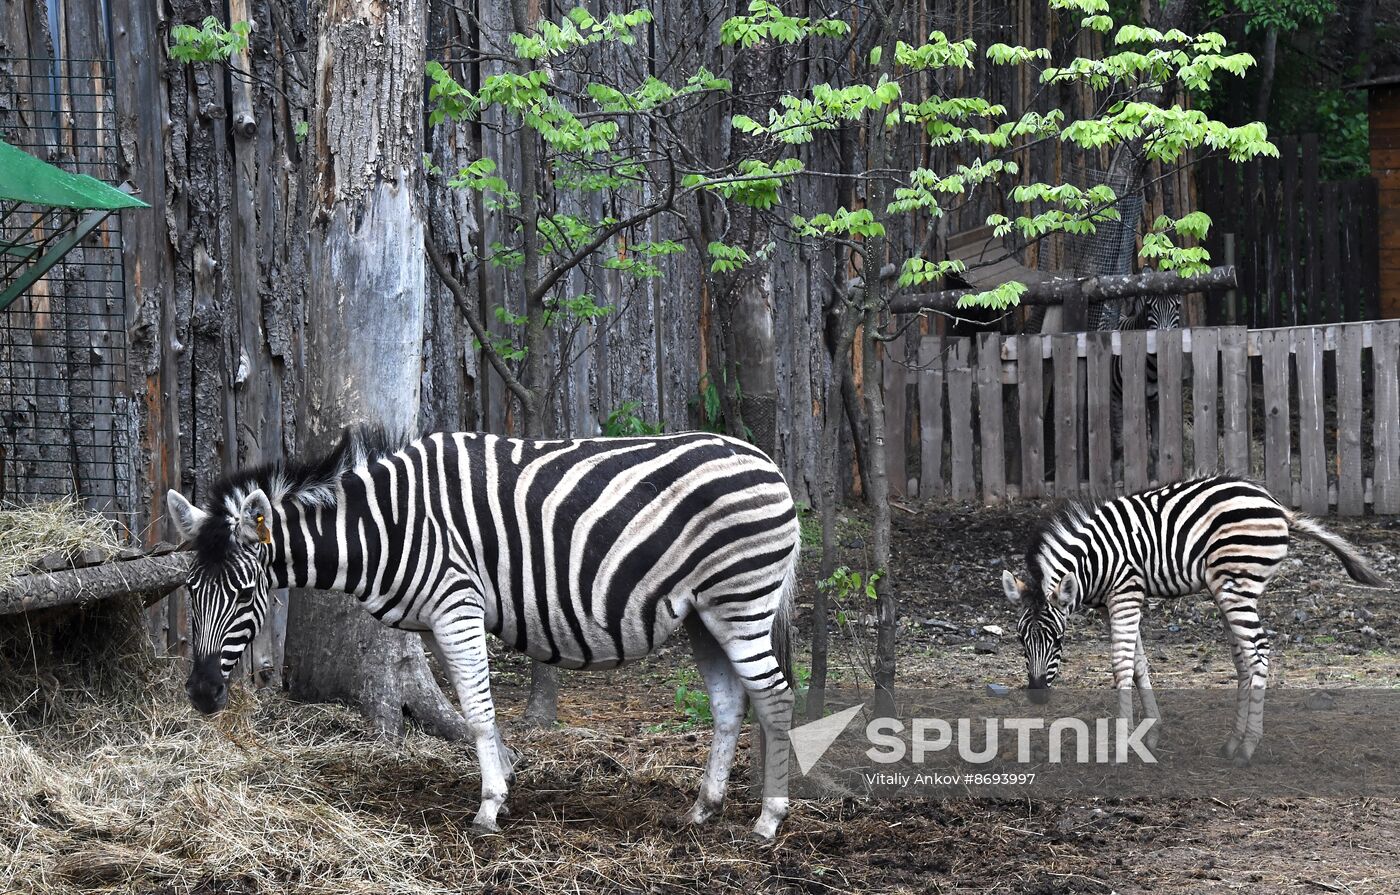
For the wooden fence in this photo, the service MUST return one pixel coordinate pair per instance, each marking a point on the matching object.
(1306, 249)
(1312, 412)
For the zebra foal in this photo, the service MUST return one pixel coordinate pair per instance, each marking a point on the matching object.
(582, 553)
(1224, 535)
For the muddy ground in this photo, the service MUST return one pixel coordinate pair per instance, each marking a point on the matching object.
(276, 797)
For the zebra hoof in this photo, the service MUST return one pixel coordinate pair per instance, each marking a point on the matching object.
(1229, 748)
(485, 828)
(1242, 760)
(699, 814)
(757, 838)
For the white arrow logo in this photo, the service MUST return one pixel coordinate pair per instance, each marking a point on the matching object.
(811, 740)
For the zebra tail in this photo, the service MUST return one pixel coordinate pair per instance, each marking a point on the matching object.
(782, 623)
(1352, 560)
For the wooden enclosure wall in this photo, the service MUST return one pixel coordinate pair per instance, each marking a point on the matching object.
(1306, 249)
(216, 269)
(1312, 412)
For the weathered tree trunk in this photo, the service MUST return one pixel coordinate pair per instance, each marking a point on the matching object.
(749, 302)
(841, 334)
(366, 296)
(877, 488)
(1059, 290)
(1268, 63)
(542, 708)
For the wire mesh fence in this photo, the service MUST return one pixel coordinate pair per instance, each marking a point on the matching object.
(65, 417)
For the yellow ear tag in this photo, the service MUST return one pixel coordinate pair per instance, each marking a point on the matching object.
(264, 534)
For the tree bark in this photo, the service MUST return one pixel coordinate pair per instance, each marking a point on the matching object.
(147, 578)
(366, 296)
(1268, 63)
(1059, 290)
(542, 708)
(749, 301)
(841, 334)
(877, 490)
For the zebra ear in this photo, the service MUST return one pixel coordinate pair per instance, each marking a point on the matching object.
(254, 518)
(1012, 585)
(186, 516)
(1067, 591)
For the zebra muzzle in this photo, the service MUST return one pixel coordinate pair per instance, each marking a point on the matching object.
(206, 687)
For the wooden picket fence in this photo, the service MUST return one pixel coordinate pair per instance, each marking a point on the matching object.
(1313, 412)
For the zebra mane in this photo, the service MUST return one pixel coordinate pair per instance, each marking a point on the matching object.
(308, 483)
(1063, 525)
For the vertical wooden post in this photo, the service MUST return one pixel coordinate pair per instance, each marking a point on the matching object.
(990, 414)
(1234, 375)
(1170, 430)
(1065, 360)
(1099, 401)
(1205, 393)
(1277, 348)
(1288, 208)
(1385, 425)
(1350, 476)
(960, 419)
(931, 417)
(1029, 372)
(1308, 346)
(1311, 216)
(1135, 446)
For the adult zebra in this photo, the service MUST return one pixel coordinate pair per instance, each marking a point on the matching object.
(583, 553)
(1221, 534)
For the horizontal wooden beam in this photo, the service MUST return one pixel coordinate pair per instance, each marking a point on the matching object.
(1057, 290)
(148, 577)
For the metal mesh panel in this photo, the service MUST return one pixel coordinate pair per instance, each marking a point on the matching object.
(1112, 248)
(65, 420)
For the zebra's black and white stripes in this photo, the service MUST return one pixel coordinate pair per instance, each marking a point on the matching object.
(1224, 535)
(583, 553)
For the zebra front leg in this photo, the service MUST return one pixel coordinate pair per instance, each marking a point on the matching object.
(727, 705)
(506, 754)
(1238, 599)
(1125, 625)
(461, 646)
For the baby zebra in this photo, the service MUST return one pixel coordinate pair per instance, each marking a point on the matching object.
(1220, 534)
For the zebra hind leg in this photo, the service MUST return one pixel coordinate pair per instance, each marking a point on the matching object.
(747, 639)
(462, 649)
(1238, 599)
(727, 706)
(1142, 679)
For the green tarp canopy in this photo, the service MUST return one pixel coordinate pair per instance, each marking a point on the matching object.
(24, 178)
(44, 213)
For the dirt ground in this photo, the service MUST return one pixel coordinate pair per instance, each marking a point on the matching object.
(273, 797)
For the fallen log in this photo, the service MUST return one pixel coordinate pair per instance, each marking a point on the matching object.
(1057, 290)
(146, 577)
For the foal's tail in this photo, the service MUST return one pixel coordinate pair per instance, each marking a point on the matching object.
(1352, 560)
(782, 620)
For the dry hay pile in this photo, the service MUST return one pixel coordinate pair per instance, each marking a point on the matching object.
(143, 796)
(30, 532)
(135, 793)
(53, 656)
